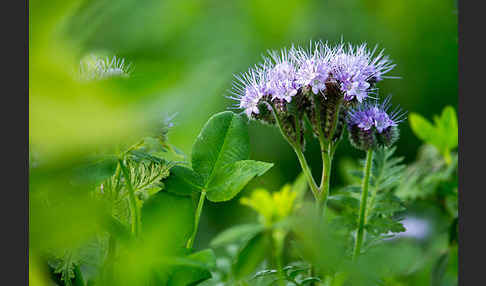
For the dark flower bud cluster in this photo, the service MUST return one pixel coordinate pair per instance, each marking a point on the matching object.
(371, 126)
(321, 83)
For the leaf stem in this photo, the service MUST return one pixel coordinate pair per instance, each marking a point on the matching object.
(200, 205)
(362, 207)
(135, 211)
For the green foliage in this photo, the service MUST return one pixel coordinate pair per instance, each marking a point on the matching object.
(195, 269)
(443, 134)
(220, 164)
(382, 217)
(236, 233)
(223, 140)
(64, 266)
(294, 273)
(430, 177)
(251, 255)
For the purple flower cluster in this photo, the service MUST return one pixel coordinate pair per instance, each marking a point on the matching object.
(284, 74)
(368, 115)
(371, 125)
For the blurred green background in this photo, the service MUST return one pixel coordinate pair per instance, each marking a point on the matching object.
(185, 53)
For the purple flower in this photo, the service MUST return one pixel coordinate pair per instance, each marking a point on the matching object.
(374, 115)
(281, 73)
(355, 68)
(313, 66)
(249, 88)
(371, 125)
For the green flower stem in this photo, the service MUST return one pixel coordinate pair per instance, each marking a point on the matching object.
(298, 150)
(306, 169)
(362, 208)
(202, 198)
(325, 181)
(134, 210)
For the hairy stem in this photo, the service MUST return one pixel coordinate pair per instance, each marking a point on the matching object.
(362, 207)
(134, 210)
(300, 155)
(306, 169)
(202, 198)
(326, 178)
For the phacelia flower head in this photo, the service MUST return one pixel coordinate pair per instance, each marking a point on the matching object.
(249, 88)
(344, 72)
(281, 75)
(94, 67)
(356, 69)
(313, 66)
(371, 125)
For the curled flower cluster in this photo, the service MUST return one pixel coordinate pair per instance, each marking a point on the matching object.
(371, 125)
(284, 75)
(321, 82)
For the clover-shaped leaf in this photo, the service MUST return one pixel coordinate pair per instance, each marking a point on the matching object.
(220, 165)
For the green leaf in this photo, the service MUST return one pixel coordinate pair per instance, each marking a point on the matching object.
(94, 173)
(196, 270)
(183, 181)
(422, 127)
(448, 125)
(228, 182)
(165, 211)
(439, 269)
(222, 141)
(236, 233)
(205, 256)
(444, 135)
(308, 281)
(251, 255)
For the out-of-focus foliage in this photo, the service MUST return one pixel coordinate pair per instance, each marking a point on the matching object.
(443, 134)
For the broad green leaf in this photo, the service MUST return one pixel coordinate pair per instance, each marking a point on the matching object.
(228, 182)
(196, 270)
(222, 141)
(95, 172)
(205, 256)
(236, 233)
(165, 211)
(251, 255)
(183, 181)
(448, 124)
(422, 127)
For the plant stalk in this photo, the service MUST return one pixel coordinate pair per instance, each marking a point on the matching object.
(300, 155)
(325, 181)
(362, 207)
(278, 239)
(202, 198)
(135, 211)
(307, 171)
